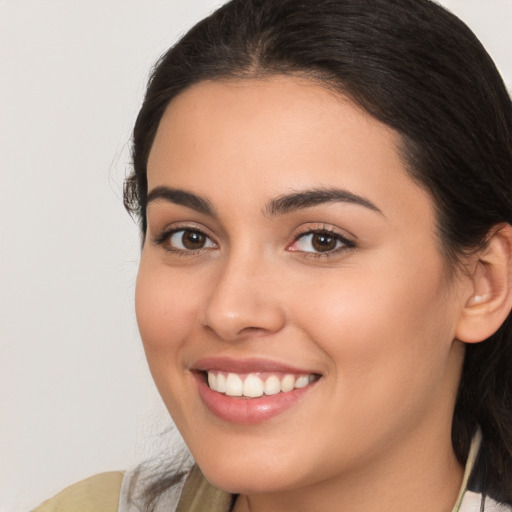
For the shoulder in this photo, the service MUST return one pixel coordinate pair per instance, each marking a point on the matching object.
(99, 493)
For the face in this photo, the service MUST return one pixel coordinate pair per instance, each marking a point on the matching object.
(292, 299)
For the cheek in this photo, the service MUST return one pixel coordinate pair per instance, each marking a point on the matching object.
(165, 311)
(166, 314)
(381, 329)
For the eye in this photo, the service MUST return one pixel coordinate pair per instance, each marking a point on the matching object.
(320, 242)
(186, 240)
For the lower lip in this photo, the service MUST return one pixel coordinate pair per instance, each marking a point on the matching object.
(248, 411)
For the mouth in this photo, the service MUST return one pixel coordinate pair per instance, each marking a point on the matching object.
(255, 385)
(251, 391)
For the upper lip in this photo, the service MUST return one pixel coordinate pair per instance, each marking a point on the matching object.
(252, 365)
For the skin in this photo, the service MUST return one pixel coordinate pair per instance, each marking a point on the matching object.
(377, 321)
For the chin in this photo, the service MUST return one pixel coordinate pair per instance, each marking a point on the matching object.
(244, 476)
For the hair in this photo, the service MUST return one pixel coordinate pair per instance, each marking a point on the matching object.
(420, 70)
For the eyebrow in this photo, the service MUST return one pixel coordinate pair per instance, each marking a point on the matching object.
(279, 206)
(308, 198)
(183, 198)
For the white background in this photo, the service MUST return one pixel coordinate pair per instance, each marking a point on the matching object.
(75, 394)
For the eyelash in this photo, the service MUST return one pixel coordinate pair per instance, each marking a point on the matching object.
(164, 238)
(331, 233)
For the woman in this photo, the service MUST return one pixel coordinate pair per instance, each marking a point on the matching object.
(324, 293)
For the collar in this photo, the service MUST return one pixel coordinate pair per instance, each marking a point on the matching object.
(473, 492)
(199, 495)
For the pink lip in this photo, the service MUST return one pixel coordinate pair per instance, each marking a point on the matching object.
(255, 365)
(241, 410)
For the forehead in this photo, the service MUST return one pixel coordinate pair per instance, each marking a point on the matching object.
(263, 137)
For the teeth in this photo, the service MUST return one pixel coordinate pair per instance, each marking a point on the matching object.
(212, 380)
(302, 381)
(272, 385)
(252, 386)
(234, 385)
(288, 383)
(220, 383)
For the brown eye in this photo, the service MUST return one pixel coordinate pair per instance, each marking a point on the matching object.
(190, 240)
(322, 242)
(193, 240)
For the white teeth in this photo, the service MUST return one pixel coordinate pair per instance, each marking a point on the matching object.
(233, 385)
(253, 386)
(302, 381)
(272, 385)
(212, 380)
(288, 383)
(221, 383)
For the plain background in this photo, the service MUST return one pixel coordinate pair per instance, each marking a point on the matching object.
(76, 397)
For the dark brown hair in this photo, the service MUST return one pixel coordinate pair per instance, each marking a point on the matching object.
(416, 67)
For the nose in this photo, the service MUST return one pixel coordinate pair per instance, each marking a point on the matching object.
(244, 300)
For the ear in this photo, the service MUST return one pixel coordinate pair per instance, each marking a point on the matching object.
(490, 301)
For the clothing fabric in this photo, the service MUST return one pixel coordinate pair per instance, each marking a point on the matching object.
(99, 493)
(118, 492)
(473, 491)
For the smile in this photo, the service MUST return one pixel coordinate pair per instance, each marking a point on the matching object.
(255, 385)
(251, 391)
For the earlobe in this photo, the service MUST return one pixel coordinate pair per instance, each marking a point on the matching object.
(490, 300)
